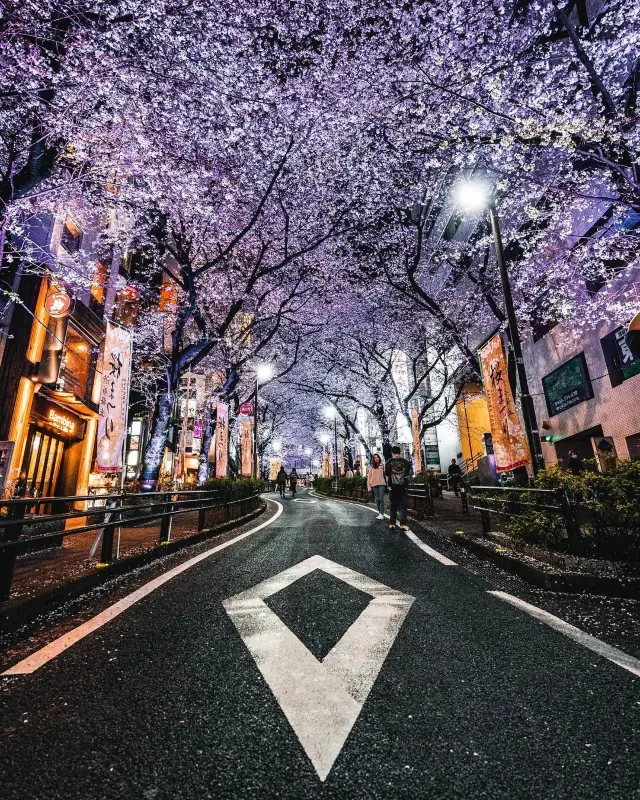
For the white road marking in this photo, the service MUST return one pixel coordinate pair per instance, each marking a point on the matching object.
(311, 502)
(320, 699)
(62, 643)
(585, 639)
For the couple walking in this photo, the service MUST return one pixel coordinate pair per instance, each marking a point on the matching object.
(394, 474)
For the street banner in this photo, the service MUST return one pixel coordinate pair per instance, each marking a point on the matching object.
(326, 473)
(415, 428)
(222, 439)
(245, 446)
(510, 446)
(114, 398)
(342, 470)
(399, 372)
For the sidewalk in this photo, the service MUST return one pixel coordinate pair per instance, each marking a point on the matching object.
(449, 517)
(44, 569)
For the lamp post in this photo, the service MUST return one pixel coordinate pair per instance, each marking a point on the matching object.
(331, 413)
(263, 374)
(307, 452)
(476, 196)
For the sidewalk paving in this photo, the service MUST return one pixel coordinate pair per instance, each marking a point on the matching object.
(35, 572)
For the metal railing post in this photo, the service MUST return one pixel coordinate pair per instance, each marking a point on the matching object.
(201, 514)
(428, 498)
(464, 500)
(8, 557)
(167, 519)
(573, 529)
(485, 519)
(106, 553)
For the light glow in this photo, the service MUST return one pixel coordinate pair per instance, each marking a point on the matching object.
(472, 195)
(264, 373)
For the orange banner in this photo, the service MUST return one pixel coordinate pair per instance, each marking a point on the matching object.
(222, 440)
(245, 445)
(510, 446)
(415, 428)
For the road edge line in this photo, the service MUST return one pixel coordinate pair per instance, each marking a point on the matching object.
(603, 649)
(50, 651)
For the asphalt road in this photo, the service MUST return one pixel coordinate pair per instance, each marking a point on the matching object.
(322, 656)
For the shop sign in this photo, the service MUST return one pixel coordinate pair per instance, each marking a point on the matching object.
(246, 409)
(61, 422)
(509, 442)
(57, 304)
(245, 445)
(415, 429)
(222, 439)
(114, 398)
(567, 386)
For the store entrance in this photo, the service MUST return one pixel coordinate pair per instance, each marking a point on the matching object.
(43, 456)
(580, 442)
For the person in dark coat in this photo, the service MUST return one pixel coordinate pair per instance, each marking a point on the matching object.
(455, 476)
(575, 464)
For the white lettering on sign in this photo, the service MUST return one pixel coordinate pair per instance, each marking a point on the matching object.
(60, 422)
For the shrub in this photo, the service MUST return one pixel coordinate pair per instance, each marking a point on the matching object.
(323, 485)
(233, 489)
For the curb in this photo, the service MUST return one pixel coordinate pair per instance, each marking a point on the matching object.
(569, 582)
(17, 613)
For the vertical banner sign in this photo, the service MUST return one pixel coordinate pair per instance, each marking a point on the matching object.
(274, 468)
(245, 446)
(222, 440)
(325, 465)
(415, 428)
(114, 398)
(510, 446)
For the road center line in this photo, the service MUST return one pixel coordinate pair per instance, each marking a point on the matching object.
(48, 652)
(585, 639)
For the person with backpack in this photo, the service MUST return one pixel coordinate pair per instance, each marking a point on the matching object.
(293, 481)
(397, 471)
(281, 481)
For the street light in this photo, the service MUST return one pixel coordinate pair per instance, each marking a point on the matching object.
(331, 413)
(307, 452)
(475, 195)
(263, 373)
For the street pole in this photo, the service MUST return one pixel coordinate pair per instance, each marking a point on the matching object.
(528, 410)
(256, 466)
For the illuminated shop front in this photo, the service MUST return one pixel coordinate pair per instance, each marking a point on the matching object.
(53, 450)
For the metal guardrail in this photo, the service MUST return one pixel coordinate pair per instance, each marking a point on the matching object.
(117, 511)
(512, 500)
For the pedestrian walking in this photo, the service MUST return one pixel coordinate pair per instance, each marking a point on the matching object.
(281, 481)
(575, 464)
(376, 483)
(397, 471)
(455, 476)
(293, 481)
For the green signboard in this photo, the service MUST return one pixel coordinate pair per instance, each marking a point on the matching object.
(567, 386)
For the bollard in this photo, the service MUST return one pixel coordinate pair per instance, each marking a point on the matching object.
(8, 557)
(166, 519)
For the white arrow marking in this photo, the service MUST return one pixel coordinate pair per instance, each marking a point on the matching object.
(320, 699)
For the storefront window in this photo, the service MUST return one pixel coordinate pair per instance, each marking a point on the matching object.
(78, 364)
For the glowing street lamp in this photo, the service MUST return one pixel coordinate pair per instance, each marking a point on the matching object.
(264, 373)
(475, 195)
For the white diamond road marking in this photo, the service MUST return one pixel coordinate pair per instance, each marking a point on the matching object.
(320, 699)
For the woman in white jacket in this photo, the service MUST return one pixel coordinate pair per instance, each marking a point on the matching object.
(376, 483)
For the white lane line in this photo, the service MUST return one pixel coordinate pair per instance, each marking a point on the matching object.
(410, 534)
(429, 550)
(48, 652)
(585, 639)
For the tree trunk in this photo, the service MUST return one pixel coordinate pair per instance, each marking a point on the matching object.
(154, 451)
(209, 423)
